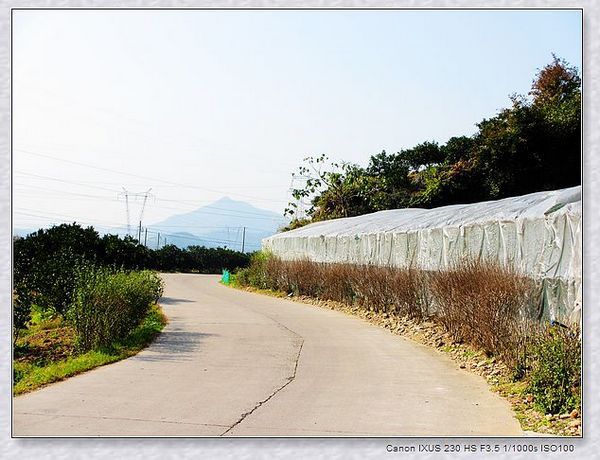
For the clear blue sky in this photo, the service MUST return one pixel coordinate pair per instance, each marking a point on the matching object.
(231, 101)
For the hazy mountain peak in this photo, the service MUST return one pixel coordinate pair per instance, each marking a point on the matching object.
(221, 223)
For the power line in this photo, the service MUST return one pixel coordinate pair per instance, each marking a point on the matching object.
(70, 219)
(64, 181)
(231, 214)
(234, 213)
(195, 238)
(187, 226)
(64, 219)
(144, 177)
(60, 193)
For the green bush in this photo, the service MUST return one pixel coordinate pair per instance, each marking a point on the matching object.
(555, 377)
(46, 263)
(108, 305)
(256, 273)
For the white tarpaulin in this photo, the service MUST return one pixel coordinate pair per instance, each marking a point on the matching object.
(538, 234)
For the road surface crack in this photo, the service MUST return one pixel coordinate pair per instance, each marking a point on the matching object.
(259, 404)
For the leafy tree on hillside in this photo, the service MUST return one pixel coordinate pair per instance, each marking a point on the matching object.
(422, 156)
(557, 83)
(457, 149)
(536, 144)
(337, 190)
(390, 185)
(533, 145)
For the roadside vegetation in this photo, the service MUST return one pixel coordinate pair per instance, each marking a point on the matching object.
(49, 264)
(49, 350)
(484, 310)
(531, 146)
(81, 300)
(68, 244)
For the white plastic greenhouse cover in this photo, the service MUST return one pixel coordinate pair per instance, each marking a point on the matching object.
(538, 234)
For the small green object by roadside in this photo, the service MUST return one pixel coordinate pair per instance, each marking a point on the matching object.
(226, 276)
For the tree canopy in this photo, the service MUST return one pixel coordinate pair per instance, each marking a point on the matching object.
(46, 263)
(533, 145)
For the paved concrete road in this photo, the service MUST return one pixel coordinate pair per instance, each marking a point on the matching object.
(239, 364)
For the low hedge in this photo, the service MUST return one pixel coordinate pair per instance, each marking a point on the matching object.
(109, 304)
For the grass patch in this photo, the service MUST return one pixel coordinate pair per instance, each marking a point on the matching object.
(40, 361)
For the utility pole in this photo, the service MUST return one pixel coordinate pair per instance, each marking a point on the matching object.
(158, 240)
(243, 238)
(140, 233)
(146, 237)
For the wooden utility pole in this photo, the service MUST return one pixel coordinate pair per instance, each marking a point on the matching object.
(243, 238)
(140, 233)
(146, 237)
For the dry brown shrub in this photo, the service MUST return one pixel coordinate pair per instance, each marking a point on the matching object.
(370, 287)
(305, 277)
(382, 289)
(337, 282)
(488, 306)
(409, 292)
(272, 275)
(485, 305)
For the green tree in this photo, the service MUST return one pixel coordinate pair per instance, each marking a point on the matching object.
(44, 263)
(334, 189)
(422, 155)
(124, 252)
(390, 185)
(457, 149)
(536, 144)
(533, 145)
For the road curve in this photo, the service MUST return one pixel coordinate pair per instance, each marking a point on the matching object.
(232, 363)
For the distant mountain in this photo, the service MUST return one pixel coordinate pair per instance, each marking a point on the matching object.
(219, 224)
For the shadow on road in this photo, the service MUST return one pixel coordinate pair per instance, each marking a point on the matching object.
(173, 300)
(174, 345)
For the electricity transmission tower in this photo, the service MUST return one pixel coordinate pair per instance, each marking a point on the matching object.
(136, 196)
